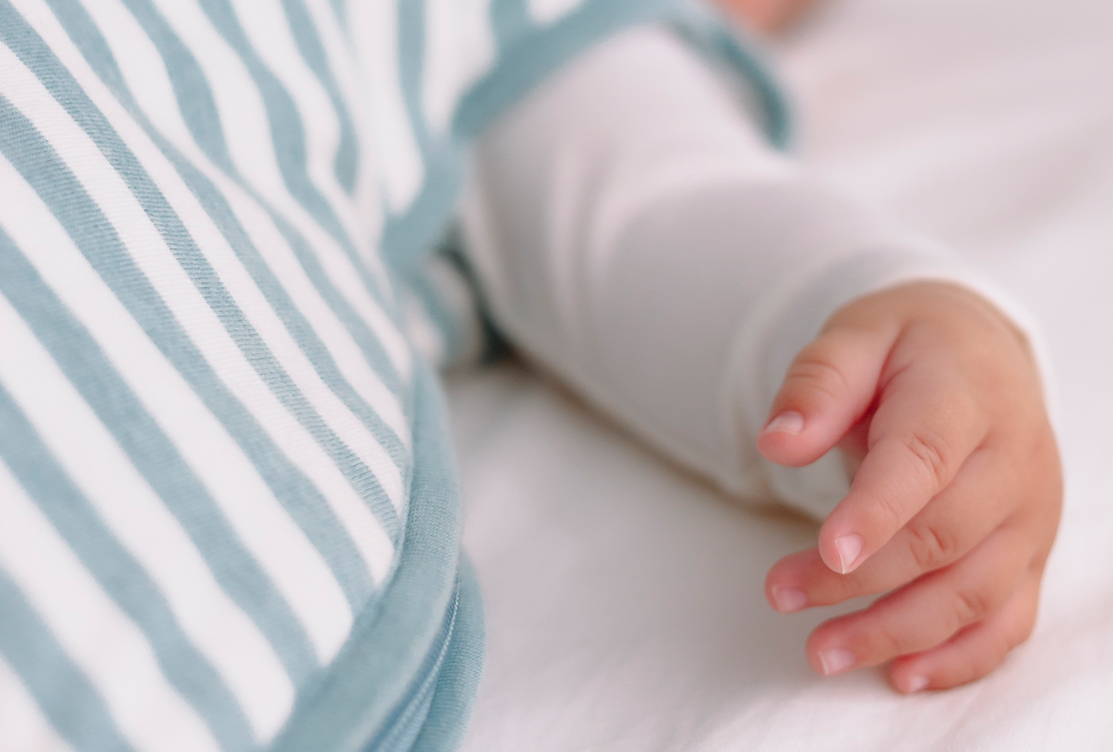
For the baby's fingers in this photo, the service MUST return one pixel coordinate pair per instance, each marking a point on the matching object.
(826, 390)
(973, 652)
(926, 426)
(978, 501)
(926, 613)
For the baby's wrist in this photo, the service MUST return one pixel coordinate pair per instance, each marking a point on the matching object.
(946, 302)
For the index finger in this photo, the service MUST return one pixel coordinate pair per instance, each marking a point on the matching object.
(926, 425)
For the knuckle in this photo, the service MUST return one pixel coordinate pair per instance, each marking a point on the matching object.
(1037, 562)
(890, 511)
(887, 643)
(970, 605)
(931, 453)
(930, 546)
(878, 638)
(818, 375)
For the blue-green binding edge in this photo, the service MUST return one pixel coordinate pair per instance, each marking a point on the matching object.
(351, 706)
(409, 236)
(366, 694)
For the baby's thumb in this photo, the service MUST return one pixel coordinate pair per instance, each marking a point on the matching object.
(826, 390)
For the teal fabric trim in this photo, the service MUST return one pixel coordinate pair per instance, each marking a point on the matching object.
(406, 721)
(433, 720)
(525, 58)
(508, 18)
(411, 44)
(729, 43)
(446, 715)
(62, 690)
(374, 673)
(539, 53)
(448, 324)
(122, 577)
(521, 65)
(528, 60)
(493, 344)
(408, 237)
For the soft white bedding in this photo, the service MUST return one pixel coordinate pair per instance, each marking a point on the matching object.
(623, 599)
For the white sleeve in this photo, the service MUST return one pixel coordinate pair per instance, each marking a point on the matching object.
(633, 233)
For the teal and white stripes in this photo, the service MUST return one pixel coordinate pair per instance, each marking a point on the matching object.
(227, 513)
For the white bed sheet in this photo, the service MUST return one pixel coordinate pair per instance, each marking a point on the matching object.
(623, 599)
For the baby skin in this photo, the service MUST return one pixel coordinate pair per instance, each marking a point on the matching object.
(934, 399)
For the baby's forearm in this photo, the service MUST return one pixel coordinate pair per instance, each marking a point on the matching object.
(634, 234)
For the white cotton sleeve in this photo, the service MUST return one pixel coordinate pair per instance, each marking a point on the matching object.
(633, 234)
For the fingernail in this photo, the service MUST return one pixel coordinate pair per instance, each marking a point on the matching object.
(835, 660)
(848, 549)
(788, 422)
(788, 599)
(917, 683)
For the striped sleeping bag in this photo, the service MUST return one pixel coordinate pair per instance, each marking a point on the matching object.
(228, 517)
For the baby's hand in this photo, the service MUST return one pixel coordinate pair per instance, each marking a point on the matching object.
(956, 496)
